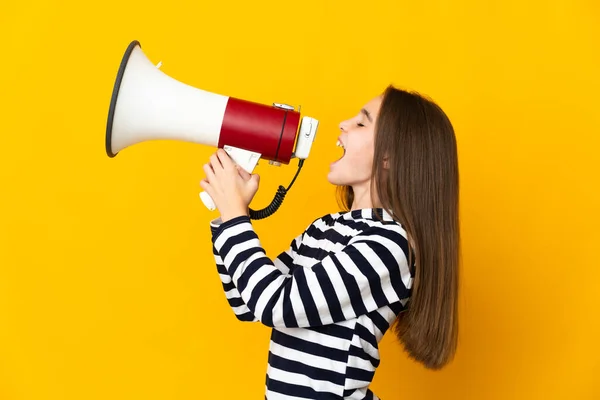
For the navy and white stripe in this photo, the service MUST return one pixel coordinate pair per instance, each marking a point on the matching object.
(329, 298)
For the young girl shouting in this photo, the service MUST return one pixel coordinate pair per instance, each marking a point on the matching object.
(390, 259)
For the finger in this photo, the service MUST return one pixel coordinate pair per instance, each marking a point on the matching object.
(225, 160)
(215, 163)
(208, 189)
(243, 173)
(204, 184)
(210, 174)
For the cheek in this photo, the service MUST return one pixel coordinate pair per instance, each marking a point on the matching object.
(361, 158)
(364, 149)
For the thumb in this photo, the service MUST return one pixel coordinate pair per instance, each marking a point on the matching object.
(242, 172)
(255, 179)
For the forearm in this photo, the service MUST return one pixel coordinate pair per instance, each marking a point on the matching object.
(233, 296)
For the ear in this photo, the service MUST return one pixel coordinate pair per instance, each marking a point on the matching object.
(386, 163)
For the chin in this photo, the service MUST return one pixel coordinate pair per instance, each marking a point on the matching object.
(331, 180)
(340, 175)
(336, 180)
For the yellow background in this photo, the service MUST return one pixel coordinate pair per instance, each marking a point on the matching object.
(107, 283)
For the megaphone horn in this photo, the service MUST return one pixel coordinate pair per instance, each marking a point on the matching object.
(147, 104)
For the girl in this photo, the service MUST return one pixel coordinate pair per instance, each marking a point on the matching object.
(389, 260)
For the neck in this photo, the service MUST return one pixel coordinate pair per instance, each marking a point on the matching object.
(362, 197)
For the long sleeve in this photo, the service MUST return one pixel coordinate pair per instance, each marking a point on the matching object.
(284, 262)
(239, 308)
(369, 273)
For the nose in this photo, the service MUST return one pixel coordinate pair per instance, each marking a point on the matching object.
(343, 125)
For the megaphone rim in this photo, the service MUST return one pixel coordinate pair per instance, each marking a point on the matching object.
(115, 96)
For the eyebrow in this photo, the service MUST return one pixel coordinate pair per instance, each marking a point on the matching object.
(367, 114)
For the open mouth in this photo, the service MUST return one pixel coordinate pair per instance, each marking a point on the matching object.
(340, 144)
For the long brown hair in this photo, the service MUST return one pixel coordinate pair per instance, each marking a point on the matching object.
(418, 185)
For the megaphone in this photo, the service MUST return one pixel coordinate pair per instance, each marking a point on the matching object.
(147, 104)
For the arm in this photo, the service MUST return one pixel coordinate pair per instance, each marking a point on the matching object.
(241, 311)
(371, 272)
(284, 262)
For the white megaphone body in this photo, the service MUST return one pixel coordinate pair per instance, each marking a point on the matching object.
(147, 104)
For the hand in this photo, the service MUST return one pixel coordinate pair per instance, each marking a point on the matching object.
(230, 186)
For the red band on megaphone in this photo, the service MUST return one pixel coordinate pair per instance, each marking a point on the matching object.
(267, 130)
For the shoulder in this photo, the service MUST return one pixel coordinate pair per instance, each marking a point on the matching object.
(385, 235)
(323, 222)
(382, 231)
(376, 222)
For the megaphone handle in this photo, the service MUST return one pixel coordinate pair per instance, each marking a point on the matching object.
(208, 201)
(244, 158)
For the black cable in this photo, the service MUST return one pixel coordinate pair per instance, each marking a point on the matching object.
(277, 200)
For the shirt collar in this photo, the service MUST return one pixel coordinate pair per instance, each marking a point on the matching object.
(366, 213)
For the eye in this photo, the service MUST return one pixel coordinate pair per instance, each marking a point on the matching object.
(359, 124)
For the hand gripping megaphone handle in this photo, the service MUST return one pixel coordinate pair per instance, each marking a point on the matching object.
(244, 158)
(247, 160)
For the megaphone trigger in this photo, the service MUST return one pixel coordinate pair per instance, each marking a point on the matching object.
(244, 158)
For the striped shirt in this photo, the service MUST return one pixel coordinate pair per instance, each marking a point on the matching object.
(329, 298)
